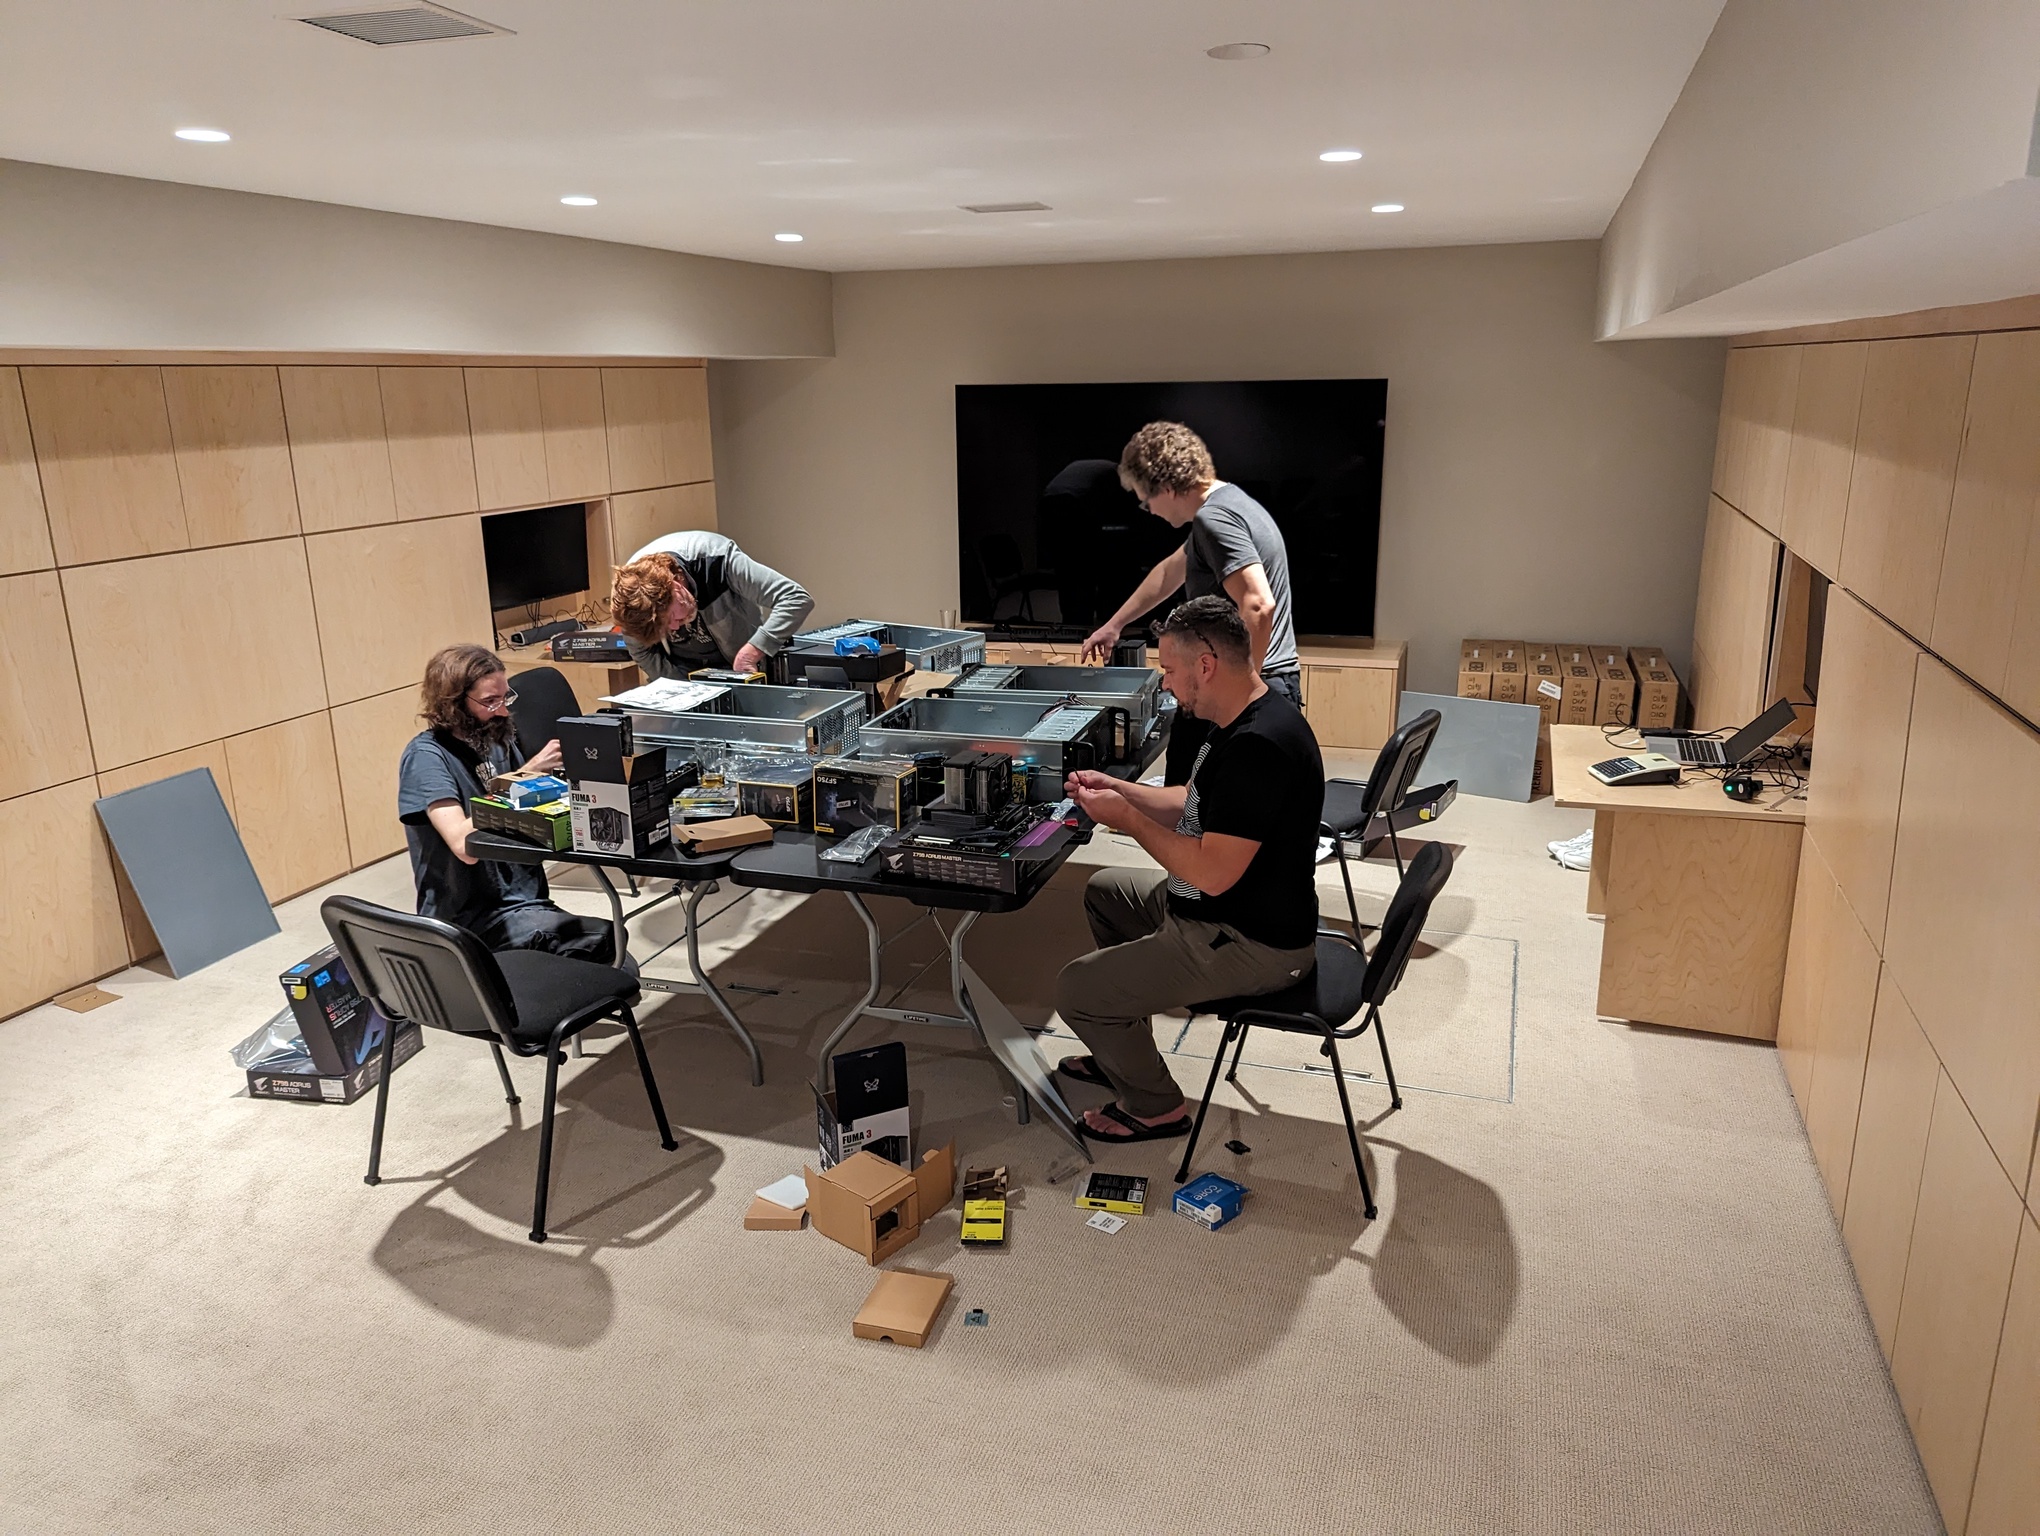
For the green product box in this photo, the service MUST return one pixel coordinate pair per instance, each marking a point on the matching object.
(550, 825)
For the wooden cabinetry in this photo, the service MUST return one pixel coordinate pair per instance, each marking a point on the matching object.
(1351, 693)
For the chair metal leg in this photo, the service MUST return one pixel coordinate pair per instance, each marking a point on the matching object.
(1233, 1072)
(545, 1133)
(1387, 1066)
(1345, 879)
(1396, 847)
(1210, 1087)
(1352, 1134)
(382, 1101)
(644, 1066)
(503, 1071)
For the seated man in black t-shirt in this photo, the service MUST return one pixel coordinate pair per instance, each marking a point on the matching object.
(469, 739)
(1233, 909)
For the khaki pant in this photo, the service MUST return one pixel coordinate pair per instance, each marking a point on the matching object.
(1147, 960)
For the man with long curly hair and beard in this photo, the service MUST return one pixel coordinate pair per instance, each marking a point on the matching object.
(467, 740)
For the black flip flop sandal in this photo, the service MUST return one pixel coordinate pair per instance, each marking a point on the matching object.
(1083, 1069)
(1135, 1131)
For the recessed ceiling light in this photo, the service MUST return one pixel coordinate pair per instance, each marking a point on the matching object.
(1233, 51)
(789, 237)
(1388, 208)
(1339, 156)
(577, 200)
(204, 135)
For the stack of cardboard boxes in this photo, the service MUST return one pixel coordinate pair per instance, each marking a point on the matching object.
(1570, 683)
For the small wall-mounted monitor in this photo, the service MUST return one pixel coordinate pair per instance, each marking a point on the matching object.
(534, 555)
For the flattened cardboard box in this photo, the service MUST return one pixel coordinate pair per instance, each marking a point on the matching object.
(903, 1306)
(770, 1216)
(1657, 690)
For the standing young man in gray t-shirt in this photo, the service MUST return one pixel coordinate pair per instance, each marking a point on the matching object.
(1233, 548)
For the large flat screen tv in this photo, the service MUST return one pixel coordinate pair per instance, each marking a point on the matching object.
(1048, 540)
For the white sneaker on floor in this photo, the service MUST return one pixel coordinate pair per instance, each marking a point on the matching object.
(1574, 852)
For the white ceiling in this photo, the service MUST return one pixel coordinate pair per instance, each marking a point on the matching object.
(710, 125)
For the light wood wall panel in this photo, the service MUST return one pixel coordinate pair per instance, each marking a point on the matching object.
(141, 936)
(432, 455)
(2007, 1495)
(24, 527)
(1837, 968)
(509, 433)
(1823, 453)
(42, 714)
(368, 740)
(109, 475)
(233, 456)
(1985, 573)
(576, 439)
(1908, 438)
(1866, 692)
(1957, 1282)
(638, 517)
(1813, 902)
(60, 924)
(187, 648)
(388, 597)
(1891, 1149)
(287, 804)
(658, 426)
(1732, 619)
(1760, 390)
(1965, 888)
(339, 447)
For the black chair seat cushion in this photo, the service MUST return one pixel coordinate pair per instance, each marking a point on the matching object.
(548, 988)
(1333, 992)
(1345, 805)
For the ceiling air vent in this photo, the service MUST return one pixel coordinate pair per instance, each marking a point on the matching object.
(1004, 207)
(404, 24)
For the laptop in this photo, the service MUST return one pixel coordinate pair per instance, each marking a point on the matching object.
(1708, 752)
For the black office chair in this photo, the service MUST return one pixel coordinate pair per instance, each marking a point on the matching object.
(419, 970)
(544, 698)
(1326, 1002)
(1352, 807)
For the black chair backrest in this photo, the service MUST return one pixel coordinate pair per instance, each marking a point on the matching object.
(1407, 910)
(1395, 767)
(419, 970)
(544, 698)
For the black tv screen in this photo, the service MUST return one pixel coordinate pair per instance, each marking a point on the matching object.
(535, 555)
(1048, 540)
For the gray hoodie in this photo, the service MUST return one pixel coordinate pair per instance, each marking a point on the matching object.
(741, 602)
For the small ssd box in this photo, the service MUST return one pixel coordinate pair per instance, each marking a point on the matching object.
(1210, 1201)
(1124, 1193)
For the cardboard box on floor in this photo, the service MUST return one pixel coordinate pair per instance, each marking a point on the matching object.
(876, 1208)
(1579, 682)
(1511, 675)
(1541, 680)
(1657, 690)
(1477, 669)
(1540, 768)
(770, 1216)
(1615, 687)
(903, 1306)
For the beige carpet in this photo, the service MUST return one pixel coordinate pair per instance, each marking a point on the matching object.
(1605, 1293)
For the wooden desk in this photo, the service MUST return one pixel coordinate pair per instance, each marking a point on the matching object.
(1696, 892)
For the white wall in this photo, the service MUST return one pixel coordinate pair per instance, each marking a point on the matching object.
(1537, 484)
(97, 261)
(1809, 124)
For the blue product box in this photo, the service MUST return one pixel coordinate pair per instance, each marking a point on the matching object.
(527, 794)
(1210, 1201)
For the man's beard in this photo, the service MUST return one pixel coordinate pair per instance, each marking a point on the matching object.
(488, 737)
